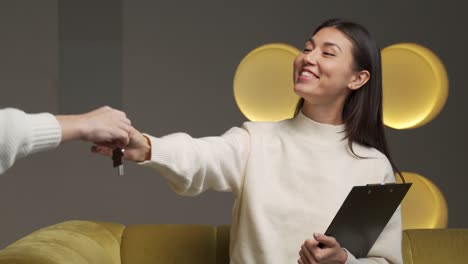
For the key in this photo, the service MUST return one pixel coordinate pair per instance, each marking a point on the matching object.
(117, 155)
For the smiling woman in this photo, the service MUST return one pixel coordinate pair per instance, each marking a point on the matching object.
(289, 178)
(325, 74)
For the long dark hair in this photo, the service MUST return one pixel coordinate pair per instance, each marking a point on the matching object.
(362, 111)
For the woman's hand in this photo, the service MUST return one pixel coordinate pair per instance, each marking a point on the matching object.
(103, 124)
(138, 148)
(330, 253)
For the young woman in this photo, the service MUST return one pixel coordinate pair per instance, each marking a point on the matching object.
(290, 177)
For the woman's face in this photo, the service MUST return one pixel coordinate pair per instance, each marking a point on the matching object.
(323, 72)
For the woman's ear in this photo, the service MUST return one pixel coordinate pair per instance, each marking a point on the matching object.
(359, 79)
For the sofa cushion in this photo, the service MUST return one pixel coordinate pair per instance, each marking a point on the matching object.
(43, 253)
(72, 242)
(152, 244)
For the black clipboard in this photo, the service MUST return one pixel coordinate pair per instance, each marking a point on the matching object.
(364, 214)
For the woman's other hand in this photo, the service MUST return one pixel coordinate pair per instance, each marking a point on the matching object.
(330, 253)
(138, 148)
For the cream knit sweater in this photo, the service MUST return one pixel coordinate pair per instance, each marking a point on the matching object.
(22, 134)
(289, 179)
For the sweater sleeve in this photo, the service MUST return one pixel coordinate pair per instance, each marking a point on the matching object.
(194, 165)
(387, 248)
(22, 134)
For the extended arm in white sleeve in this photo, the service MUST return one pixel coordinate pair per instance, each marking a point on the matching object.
(22, 134)
(193, 165)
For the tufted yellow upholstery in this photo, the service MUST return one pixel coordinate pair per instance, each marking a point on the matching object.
(74, 242)
(84, 242)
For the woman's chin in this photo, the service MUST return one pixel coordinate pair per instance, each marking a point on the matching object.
(300, 91)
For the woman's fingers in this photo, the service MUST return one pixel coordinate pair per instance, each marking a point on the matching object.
(307, 255)
(103, 150)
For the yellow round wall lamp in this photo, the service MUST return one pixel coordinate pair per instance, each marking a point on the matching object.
(415, 85)
(424, 206)
(263, 83)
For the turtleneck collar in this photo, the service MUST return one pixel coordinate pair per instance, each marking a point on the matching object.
(319, 132)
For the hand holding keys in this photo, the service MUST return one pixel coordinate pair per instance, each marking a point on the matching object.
(117, 155)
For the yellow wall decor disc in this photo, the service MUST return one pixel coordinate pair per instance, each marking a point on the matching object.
(263, 83)
(424, 205)
(415, 85)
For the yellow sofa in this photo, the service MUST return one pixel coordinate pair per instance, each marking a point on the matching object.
(86, 242)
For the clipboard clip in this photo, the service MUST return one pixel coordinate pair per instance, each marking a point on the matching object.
(375, 184)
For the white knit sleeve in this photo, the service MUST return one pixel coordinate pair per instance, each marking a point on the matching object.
(193, 165)
(22, 134)
(387, 248)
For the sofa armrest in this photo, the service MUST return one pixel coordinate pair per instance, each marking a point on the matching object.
(426, 246)
(71, 242)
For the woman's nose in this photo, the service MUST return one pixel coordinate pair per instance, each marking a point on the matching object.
(311, 57)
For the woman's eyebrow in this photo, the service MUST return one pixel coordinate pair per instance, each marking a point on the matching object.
(325, 43)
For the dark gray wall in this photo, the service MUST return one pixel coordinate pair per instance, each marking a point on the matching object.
(90, 54)
(177, 64)
(28, 55)
(28, 80)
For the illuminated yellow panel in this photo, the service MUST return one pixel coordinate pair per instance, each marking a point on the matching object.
(263, 83)
(415, 85)
(424, 206)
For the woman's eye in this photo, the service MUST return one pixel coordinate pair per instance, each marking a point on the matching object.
(306, 50)
(328, 54)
